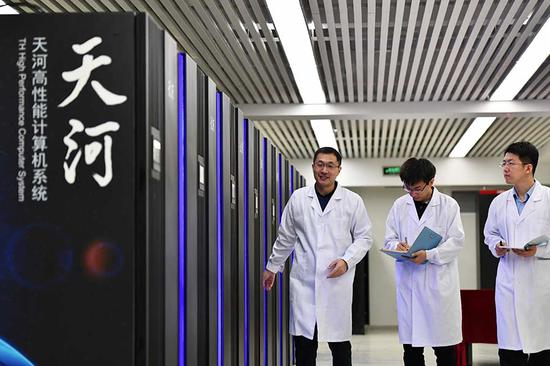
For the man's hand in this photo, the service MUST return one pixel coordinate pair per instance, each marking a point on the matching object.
(500, 250)
(531, 251)
(268, 280)
(419, 257)
(337, 268)
(402, 246)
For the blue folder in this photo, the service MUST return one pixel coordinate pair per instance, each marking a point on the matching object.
(426, 240)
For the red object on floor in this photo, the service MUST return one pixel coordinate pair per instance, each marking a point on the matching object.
(479, 322)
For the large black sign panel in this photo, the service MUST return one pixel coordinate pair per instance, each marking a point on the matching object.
(67, 189)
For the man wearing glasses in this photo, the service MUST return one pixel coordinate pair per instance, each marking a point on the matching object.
(428, 289)
(329, 230)
(522, 291)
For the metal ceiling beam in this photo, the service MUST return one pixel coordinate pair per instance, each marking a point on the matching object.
(397, 110)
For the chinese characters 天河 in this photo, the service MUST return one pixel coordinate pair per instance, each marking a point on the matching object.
(81, 76)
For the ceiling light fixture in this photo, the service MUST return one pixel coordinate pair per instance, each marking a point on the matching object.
(293, 33)
(529, 62)
(322, 128)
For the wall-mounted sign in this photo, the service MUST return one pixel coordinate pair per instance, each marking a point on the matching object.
(390, 170)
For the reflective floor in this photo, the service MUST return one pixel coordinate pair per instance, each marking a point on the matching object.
(380, 346)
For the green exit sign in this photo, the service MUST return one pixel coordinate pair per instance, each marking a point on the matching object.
(391, 170)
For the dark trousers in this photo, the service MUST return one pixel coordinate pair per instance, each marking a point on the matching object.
(414, 356)
(306, 351)
(518, 358)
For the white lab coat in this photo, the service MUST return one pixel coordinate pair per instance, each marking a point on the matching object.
(522, 292)
(342, 230)
(428, 295)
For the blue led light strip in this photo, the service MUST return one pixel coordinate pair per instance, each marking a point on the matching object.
(245, 184)
(182, 208)
(266, 210)
(219, 194)
(280, 212)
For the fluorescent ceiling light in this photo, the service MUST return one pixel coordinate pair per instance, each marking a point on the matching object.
(529, 62)
(527, 65)
(293, 32)
(6, 9)
(471, 136)
(322, 128)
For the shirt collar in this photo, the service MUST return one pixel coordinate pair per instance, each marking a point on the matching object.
(527, 195)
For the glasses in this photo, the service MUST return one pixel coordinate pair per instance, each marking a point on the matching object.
(510, 163)
(414, 190)
(330, 166)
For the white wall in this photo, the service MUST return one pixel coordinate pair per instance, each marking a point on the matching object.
(382, 305)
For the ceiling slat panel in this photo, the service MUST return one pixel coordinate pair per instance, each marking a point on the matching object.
(427, 15)
(508, 51)
(354, 140)
(303, 139)
(465, 53)
(488, 52)
(449, 145)
(384, 126)
(293, 137)
(422, 137)
(376, 139)
(274, 50)
(241, 60)
(397, 143)
(406, 137)
(442, 10)
(487, 32)
(329, 15)
(451, 130)
(347, 135)
(371, 32)
(450, 68)
(398, 20)
(245, 17)
(369, 138)
(442, 54)
(358, 29)
(321, 43)
(407, 49)
(185, 26)
(391, 139)
(384, 27)
(311, 136)
(435, 137)
(362, 147)
(427, 136)
(344, 29)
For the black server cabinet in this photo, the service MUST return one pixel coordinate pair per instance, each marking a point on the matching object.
(82, 189)
(268, 334)
(215, 345)
(201, 283)
(255, 241)
(195, 316)
(228, 152)
(243, 242)
(152, 107)
(171, 179)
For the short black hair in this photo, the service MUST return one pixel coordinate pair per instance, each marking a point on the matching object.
(415, 170)
(526, 152)
(328, 150)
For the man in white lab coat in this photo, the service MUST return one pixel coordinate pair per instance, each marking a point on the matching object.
(428, 289)
(329, 230)
(522, 293)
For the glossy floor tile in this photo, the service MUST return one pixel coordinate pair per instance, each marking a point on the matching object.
(380, 346)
